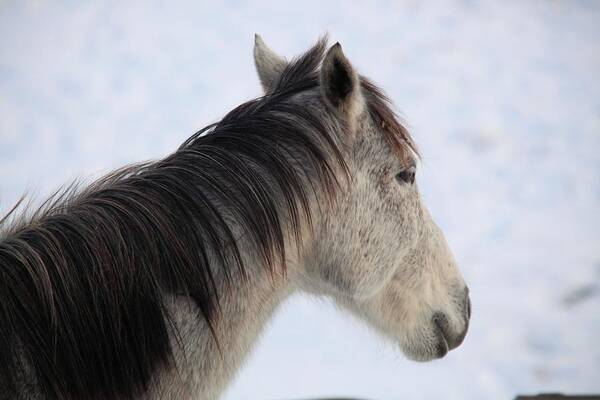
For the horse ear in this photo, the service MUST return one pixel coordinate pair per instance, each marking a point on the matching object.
(340, 82)
(268, 64)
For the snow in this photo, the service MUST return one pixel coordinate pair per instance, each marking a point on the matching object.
(502, 97)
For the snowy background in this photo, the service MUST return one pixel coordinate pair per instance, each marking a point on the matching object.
(503, 99)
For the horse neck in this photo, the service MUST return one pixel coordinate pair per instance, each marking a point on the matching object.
(204, 366)
(206, 360)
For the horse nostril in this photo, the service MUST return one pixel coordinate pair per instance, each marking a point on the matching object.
(441, 321)
(468, 308)
(467, 304)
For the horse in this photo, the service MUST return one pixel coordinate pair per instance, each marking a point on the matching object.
(155, 281)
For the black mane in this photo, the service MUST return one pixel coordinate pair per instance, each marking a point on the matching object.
(82, 282)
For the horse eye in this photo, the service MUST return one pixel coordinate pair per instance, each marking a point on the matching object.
(406, 176)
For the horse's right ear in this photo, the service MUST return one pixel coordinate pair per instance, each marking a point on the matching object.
(268, 64)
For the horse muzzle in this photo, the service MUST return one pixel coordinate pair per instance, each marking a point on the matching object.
(447, 336)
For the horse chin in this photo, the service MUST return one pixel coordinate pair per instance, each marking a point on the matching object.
(426, 350)
(425, 354)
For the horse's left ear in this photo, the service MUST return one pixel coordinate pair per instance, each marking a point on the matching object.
(340, 83)
(268, 64)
